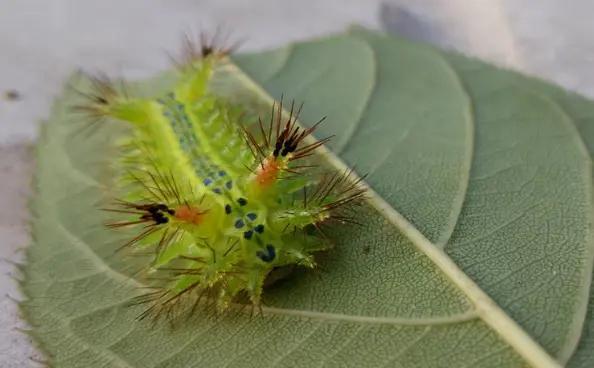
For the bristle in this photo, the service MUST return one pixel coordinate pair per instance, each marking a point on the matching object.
(102, 94)
(196, 48)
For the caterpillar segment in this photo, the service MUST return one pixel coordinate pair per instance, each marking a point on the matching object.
(221, 203)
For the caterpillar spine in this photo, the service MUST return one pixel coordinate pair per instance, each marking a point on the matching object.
(220, 202)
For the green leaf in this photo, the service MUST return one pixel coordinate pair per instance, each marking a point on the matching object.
(475, 249)
(512, 235)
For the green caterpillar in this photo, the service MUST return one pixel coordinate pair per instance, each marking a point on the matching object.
(222, 203)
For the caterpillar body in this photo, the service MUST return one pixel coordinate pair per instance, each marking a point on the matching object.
(219, 202)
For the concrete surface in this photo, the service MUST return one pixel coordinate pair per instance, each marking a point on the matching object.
(43, 41)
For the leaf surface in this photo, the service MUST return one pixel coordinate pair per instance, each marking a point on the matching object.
(475, 248)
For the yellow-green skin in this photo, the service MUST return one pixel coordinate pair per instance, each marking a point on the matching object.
(232, 229)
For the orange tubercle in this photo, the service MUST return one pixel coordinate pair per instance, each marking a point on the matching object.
(189, 214)
(267, 173)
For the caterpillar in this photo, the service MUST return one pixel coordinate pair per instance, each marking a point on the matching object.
(220, 197)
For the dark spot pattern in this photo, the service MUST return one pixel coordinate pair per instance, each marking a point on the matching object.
(267, 255)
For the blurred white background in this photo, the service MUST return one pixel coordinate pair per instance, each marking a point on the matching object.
(42, 41)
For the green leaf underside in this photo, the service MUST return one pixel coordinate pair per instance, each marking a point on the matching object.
(479, 160)
(529, 169)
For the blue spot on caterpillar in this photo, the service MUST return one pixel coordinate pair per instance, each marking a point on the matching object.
(268, 255)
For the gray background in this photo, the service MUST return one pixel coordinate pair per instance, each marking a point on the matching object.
(43, 41)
